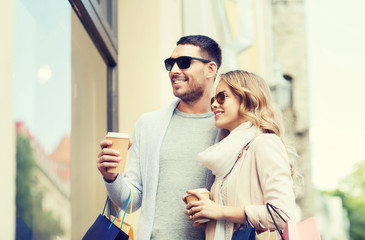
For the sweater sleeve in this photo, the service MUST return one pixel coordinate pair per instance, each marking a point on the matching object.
(120, 188)
(276, 183)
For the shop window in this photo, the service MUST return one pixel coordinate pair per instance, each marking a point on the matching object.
(42, 114)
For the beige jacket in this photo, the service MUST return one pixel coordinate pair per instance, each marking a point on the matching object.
(262, 174)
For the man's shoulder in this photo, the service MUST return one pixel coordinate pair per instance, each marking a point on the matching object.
(158, 115)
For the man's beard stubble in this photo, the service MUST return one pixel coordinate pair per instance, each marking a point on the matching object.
(191, 95)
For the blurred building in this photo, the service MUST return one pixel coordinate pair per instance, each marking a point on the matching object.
(52, 178)
(290, 56)
(332, 218)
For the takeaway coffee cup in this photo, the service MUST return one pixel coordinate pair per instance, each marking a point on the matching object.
(205, 193)
(120, 143)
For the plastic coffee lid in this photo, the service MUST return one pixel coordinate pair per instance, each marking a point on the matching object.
(117, 135)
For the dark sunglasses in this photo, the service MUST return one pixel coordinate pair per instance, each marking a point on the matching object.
(183, 62)
(220, 97)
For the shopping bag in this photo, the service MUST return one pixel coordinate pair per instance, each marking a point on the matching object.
(126, 227)
(305, 230)
(245, 233)
(308, 229)
(268, 206)
(104, 229)
(267, 236)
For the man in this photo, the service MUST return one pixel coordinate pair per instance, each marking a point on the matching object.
(163, 158)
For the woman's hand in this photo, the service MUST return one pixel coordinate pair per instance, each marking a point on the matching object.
(204, 208)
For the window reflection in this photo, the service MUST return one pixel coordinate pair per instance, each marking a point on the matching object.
(42, 114)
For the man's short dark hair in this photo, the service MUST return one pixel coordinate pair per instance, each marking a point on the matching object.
(206, 44)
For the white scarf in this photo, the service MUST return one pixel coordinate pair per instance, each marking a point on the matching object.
(221, 157)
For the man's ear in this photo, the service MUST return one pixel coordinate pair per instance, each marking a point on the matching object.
(212, 69)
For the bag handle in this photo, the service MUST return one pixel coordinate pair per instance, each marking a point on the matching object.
(106, 202)
(126, 202)
(125, 211)
(246, 222)
(130, 209)
(277, 228)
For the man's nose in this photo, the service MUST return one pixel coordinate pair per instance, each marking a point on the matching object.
(175, 68)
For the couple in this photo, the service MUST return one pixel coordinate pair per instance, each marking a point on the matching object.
(174, 150)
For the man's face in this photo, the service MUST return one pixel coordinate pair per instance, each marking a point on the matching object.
(188, 84)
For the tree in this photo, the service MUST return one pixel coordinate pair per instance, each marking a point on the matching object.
(25, 181)
(352, 192)
(28, 198)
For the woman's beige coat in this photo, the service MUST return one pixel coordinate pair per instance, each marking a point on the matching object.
(262, 174)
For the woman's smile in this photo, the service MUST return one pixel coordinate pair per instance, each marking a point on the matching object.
(217, 113)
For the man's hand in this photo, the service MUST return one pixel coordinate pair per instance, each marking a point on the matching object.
(108, 158)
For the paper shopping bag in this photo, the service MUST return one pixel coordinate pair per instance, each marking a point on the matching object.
(267, 236)
(305, 230)
(246, 233)
(104, 229)
(127, 228)
(290, 231)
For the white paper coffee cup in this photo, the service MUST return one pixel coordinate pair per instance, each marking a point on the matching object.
(205, 193)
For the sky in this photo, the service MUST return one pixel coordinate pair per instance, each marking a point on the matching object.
(42, 70)
(336, 62)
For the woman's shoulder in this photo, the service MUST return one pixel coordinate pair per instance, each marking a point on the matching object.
(266, 141)
(268, 148)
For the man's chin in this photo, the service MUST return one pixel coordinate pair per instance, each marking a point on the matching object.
(188, 98)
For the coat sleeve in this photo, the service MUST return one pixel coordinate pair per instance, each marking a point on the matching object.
(276, 183)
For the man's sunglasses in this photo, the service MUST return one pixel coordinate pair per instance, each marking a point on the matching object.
(182, 62)
(220, 97)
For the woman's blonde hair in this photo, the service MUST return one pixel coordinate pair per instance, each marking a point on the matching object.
(256, 104)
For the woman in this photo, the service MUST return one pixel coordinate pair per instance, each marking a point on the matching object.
(251, 163)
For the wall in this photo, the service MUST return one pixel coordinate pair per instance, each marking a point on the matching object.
(140, 60)
(7, 128)
(89, 126)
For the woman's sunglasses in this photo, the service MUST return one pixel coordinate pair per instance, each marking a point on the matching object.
(220, 97)
(183, 62)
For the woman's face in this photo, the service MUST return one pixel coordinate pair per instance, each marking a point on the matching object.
(226, 114)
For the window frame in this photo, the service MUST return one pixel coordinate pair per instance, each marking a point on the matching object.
(104, 34)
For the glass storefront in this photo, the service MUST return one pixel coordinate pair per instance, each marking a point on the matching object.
(42, 115)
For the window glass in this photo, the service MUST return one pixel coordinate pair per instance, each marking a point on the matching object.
(42, 114)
